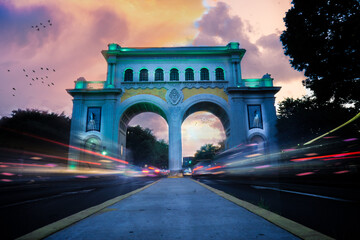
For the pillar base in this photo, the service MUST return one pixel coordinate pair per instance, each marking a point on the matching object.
(175, 174)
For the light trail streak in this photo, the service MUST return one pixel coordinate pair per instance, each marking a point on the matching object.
(66, 145)
(326, 156)
(52, 156)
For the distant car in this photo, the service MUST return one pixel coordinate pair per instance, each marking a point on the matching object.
(187, 172)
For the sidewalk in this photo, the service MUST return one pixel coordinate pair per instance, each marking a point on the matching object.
(175, 208)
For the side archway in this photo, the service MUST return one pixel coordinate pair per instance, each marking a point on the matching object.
(132, 107)
(209, 103)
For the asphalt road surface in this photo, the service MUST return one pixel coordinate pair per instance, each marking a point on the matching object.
(26, 207)
(333, 211)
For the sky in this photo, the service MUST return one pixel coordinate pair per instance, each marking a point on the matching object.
(72, 34)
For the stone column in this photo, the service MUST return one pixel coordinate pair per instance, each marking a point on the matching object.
(175, 147)
(77, 126)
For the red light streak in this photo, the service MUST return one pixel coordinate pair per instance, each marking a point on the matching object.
(56, 157)
(26, 164)
(326, 156)
(263, 166)
(304, 174)
(150, 167)
(212, 168)
(69, 146)
(6, 180)
(7, 174)
(341, 172)
(145, 171)
(197, 168)
(157, 170)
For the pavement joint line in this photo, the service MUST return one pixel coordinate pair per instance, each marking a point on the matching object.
(294, 228)
(54, 227)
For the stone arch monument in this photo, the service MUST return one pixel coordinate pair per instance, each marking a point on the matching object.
(173, 82)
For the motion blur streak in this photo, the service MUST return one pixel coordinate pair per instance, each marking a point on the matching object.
(66, 145)
(341, 172)
(197, 168)
(28, 164)
(326, 156)
(212, 168)
(304, 174)
(263, 166)
(52, 156)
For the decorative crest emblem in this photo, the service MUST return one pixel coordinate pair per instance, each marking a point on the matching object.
(174, 96)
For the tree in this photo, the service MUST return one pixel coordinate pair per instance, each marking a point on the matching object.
(39, 123)
(323, 40)
(302, 119)
(206, 152)
(145, 148)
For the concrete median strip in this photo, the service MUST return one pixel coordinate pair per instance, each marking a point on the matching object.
(286, 224)
(65, 222)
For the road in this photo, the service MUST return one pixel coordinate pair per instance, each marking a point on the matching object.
(330, 210)
(26, 207)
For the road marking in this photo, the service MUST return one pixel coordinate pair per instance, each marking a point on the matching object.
(52, 228)
(301, 193)
(293, 227)
(47, 198)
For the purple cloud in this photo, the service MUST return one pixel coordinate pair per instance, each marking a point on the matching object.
(218, 27)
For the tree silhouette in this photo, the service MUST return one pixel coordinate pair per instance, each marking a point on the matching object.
(323, 40)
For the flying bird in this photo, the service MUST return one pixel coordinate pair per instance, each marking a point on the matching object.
(38, 29)
(52, 83)
(50, 24)
(49, 85)
(30, 84)
(37, 79)
(8, 70)
(24, 70)
(42, 68)
(44, 26)
(47, 69)
(26, 75)
(46, 76)
(42, 81)
(42, 78)
(14, 88)
(48, 20)
(33, 70)
(13, 95)
(54, 70)
(40, 23)
(32, 26)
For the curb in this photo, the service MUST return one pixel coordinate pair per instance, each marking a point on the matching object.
(293, 227)
(54, 227)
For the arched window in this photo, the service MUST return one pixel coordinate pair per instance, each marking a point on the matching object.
(144, 75)
(159, 74)
(189, 74)
(204, 74)
(174, 74)
(128, 75)
(219, 74)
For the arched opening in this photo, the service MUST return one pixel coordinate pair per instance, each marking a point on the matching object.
(128, 76)
(204, 123)
(189, 74)
(159, 74)
(144, 75)
(143, 135)
(260, 143)
(93, 144)
(174, 74)
(219, 74)
(204, 74)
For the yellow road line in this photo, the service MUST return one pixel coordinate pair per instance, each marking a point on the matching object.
(293, 227)
(47, 230)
